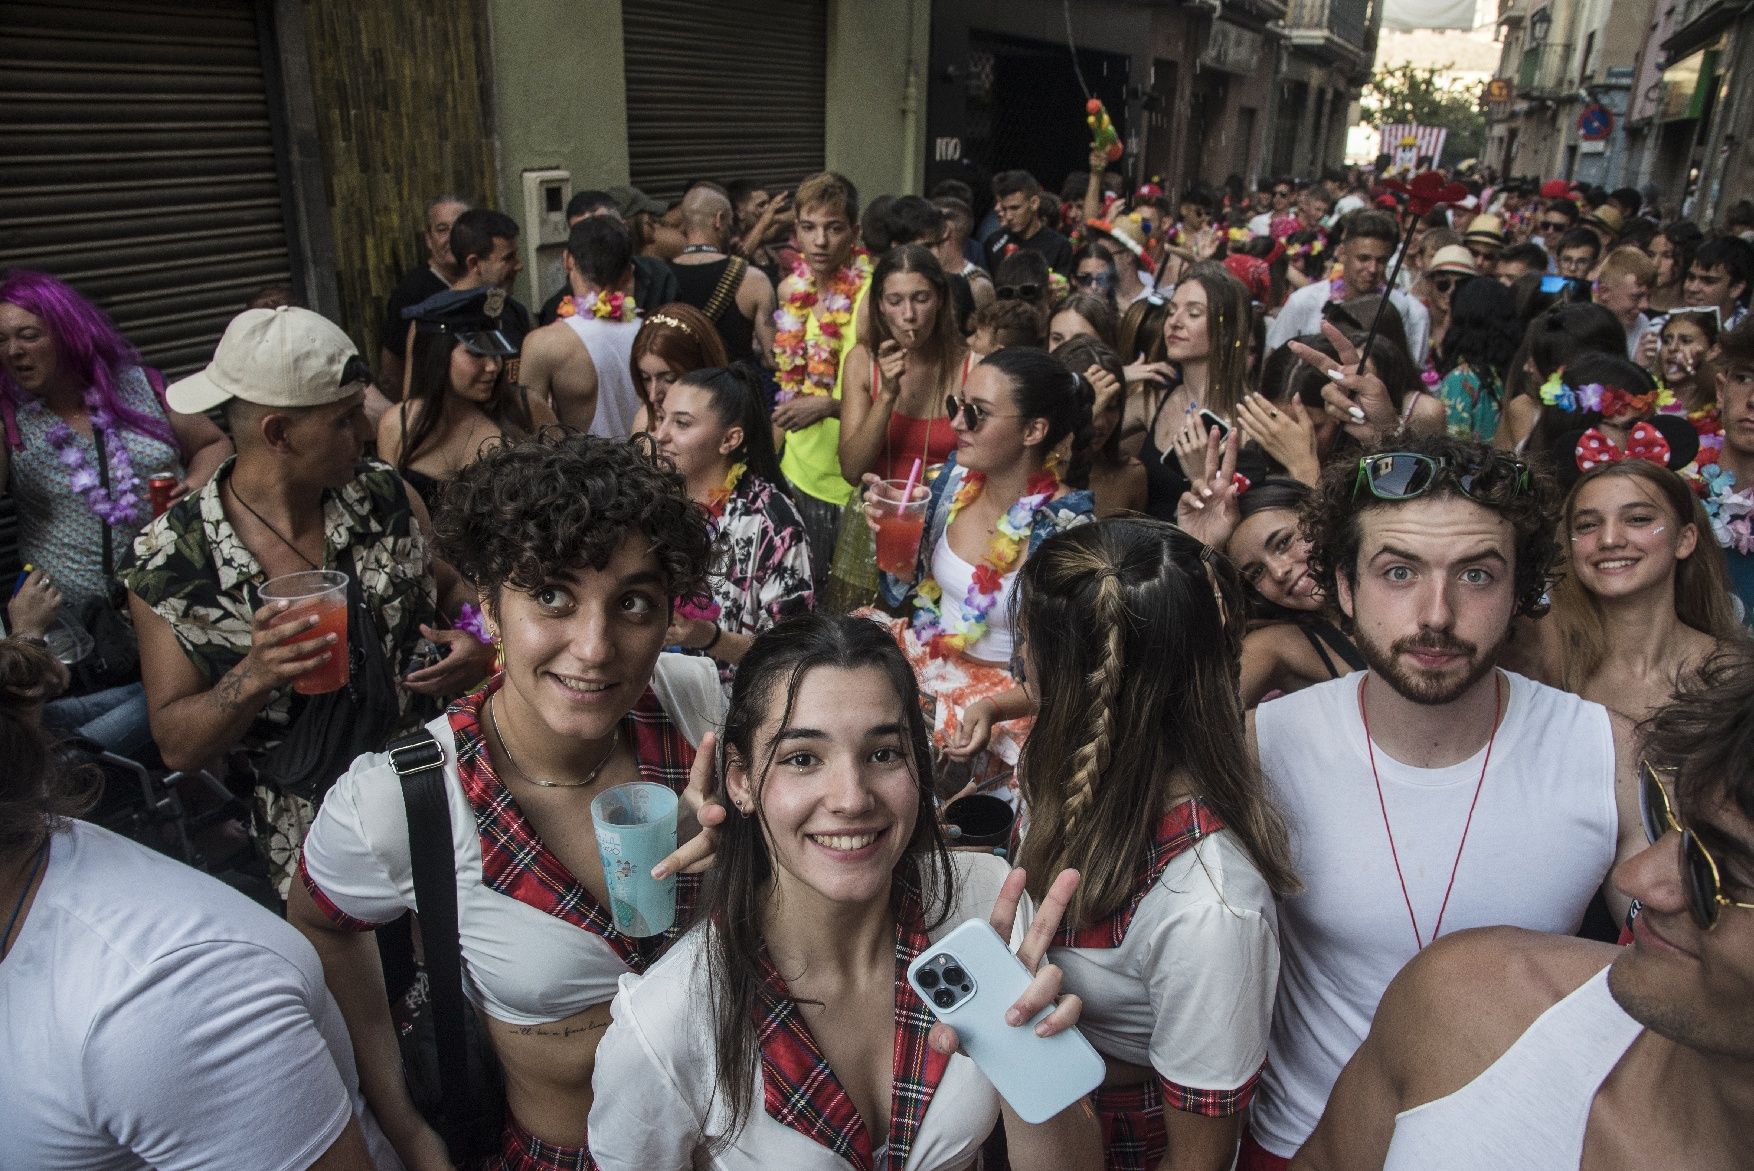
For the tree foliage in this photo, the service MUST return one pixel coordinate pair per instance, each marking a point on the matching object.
(1414, 93)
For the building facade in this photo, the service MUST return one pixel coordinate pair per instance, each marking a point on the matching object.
(1330, 47)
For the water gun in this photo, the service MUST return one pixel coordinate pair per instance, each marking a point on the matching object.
(1102, 131)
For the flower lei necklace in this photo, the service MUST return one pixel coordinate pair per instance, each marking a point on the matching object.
(605, 306)
(1731, 512)
(943, 638)
(719, 497)
(117, 504)
(809, 366)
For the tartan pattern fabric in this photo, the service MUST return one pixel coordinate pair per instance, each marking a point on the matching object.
(326, 905)
(1178, 830)
(1209, 1103)
(516, 863)
(800, 1091)
(1133, 1135)
(522, 1151)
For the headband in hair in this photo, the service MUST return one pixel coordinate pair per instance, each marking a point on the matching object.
(666, 319)
(1645, 442)
(1612, 401)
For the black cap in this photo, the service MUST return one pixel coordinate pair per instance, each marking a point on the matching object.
(469, 315)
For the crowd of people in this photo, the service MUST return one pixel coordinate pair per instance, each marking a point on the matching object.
(1213, 594)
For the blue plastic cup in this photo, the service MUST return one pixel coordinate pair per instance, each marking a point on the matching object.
(636, 830)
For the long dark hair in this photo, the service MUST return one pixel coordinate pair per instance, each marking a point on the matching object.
(1483, 332)
(768, 680)
(1044, 389)
(1134, 634)
(1269, 494)
(737, 399)
(429, 386)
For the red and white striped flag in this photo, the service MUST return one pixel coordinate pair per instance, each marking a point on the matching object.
(1407, 142)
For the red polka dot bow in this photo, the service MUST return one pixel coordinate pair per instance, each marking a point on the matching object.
(1642, 442)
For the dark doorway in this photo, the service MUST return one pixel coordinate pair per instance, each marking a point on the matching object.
(1205, 106)
(1025, 110)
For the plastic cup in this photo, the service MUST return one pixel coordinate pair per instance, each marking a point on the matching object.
(68, 641)
(322, 592)
(900, 524)
(636, 830)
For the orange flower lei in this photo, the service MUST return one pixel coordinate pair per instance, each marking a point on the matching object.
(609, 307)
(809, 367)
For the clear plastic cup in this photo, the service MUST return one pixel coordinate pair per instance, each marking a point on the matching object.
(900, 524)
(68, 641)
(322, 592)
(636, 830)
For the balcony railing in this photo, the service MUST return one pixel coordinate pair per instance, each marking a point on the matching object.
(1346, 20)
(1544, 71)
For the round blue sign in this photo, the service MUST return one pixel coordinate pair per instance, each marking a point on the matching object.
(1595, 123)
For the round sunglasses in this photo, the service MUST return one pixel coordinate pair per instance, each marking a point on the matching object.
(1699, 872)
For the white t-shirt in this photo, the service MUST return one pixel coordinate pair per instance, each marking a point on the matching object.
(522, 964)
(1302, 313)
(1541, 842)
(654, 1108)
(151, 1016)
(1189, 991)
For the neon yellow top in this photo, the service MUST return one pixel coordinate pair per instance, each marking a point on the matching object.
(811, 459)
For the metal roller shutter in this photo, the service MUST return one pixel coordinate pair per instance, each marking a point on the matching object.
(724, 89)
(138, 163)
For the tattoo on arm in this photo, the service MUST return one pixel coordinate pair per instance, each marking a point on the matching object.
(567, 1031)
(230, 692)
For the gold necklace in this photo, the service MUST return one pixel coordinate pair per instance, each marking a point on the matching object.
(505, 746)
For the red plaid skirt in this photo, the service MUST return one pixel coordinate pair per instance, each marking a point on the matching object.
(522, 1151)
(1133, 1136)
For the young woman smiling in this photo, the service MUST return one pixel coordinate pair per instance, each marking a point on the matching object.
(998, 497)
(713, 427)
(910, 355)
(781, 1032)
(1645, 599)
(576, 544)
(457, 400)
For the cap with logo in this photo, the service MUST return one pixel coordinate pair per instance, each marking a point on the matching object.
(285, 357)
(469, 315)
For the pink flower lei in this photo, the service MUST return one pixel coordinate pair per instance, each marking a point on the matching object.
(118, 505)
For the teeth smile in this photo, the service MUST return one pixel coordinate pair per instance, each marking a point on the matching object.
(581, 686)
(1617, 564)
(844, 841)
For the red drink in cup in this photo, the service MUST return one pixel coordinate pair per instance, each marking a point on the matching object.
(900, 524)
(322, 593)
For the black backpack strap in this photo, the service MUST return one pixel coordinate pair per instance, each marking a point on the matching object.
(420, 763)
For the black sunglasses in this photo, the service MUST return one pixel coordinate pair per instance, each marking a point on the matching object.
(1093, 280)
(1019, 292)
(1404, 475)
(1699, 872)
(971, 413)
(1445, 284)
(1555, 226)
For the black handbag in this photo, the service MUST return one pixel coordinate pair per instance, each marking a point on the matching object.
(114, 658)
(328, 731)
(452, 1074)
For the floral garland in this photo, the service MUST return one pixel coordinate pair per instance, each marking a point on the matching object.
(470, 619)
(716, 501)
(1611, 401)
(119, 504)
(1731, 512)
(1238, 236)
(613, 307)
(803, 367)
(943, 638)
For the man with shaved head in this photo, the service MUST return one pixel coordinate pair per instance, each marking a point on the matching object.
(736, 297)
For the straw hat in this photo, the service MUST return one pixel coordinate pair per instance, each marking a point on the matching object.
(1486, 229)
(1453, 258)
(1607, 217)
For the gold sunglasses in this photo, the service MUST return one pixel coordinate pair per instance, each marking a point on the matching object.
(1704, 883)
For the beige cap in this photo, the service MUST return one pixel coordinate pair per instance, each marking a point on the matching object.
(1453, 258)
(283, 357)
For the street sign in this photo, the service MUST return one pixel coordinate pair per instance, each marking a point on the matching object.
(1595, 123)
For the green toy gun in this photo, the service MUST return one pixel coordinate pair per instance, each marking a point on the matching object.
(1102, 131)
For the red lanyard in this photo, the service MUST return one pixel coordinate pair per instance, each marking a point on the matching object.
(1370, 749)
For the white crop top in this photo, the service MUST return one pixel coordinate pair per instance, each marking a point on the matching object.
(523, 963)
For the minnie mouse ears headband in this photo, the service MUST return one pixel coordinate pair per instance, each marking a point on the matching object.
(1666, 440)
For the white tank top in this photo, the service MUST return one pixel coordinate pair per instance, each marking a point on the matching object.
(610, 344)
(1541, 843)
(1531, 1107)
(954, 576)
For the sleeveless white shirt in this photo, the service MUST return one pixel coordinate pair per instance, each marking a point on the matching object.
(1531, 1107)
(1541, 843)
(610, 344)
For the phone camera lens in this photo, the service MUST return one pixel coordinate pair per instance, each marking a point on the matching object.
(928, 979)
(944, 998)
(955, 975)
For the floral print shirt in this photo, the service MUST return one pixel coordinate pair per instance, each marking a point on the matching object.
(761, 575)
(192, 569)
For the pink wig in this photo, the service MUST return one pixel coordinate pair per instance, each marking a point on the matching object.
(86, 346)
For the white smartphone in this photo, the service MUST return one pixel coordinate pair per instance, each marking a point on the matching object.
(969, 979)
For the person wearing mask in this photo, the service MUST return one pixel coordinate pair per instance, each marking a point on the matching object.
(1368, 239)
(582, 365)
(119, 966)
(1019, 199)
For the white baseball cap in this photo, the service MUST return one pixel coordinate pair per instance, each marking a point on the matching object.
(283, 357)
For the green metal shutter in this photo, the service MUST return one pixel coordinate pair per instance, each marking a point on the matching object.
(138, 163)
(724, 89)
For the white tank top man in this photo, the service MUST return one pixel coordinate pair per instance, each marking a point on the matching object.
(1506, 1048)
(581, 365)
(1432, 792)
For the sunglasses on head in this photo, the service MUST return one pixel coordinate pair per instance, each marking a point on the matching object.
(1404, 475)
(1699, 872)
(1018, 292)
(971, 413)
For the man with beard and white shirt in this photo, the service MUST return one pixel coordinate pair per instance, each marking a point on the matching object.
(1432, 792)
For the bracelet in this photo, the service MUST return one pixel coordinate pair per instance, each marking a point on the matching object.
(714, 640)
